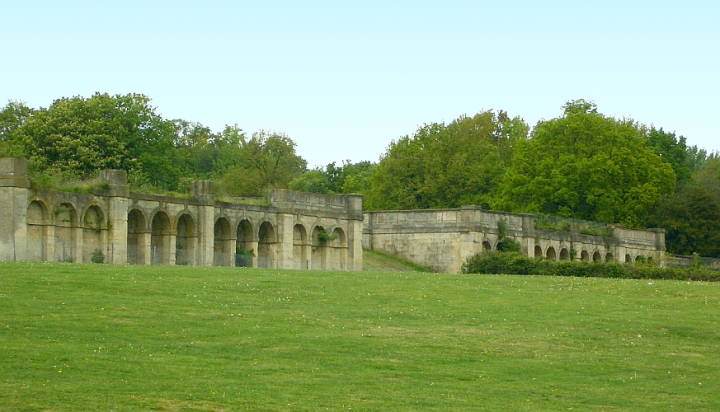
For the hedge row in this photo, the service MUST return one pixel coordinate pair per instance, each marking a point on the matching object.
(514, 263)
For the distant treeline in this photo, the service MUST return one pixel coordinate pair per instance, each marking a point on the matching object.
(581, 164)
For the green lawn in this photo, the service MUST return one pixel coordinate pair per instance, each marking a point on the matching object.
(101, 337)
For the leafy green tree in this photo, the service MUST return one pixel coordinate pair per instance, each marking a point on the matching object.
(267, 160)
(83, 135)
(348, 178)
(674, 150)
(446, 165)
(12, 116)
(312, 181)
(692, 222)
(588, 166)
(356, 177)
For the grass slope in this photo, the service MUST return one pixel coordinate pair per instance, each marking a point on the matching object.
(101, 337)
(379, 262)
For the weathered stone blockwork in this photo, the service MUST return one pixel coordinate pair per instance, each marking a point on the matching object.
(296, 231)
(444, 239)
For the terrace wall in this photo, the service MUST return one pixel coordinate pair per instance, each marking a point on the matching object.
(295, 231)
(444, 239)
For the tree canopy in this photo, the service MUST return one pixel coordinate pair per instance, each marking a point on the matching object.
(446, 165)
(588, 166)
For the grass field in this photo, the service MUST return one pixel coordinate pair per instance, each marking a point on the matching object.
(103, 337)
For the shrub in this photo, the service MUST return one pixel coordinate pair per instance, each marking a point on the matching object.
(515, 263)
(243, 257)
(508, 245)
(97, 256)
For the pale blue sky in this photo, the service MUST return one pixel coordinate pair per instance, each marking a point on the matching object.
(345, 78)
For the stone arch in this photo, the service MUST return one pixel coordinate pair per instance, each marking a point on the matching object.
(639, 259)
(37, 231)
(338, 250)
(185, 240)
(160, 238)
(564, 254)
(597, 258)
(584, 256)
(537, 252)
(222, 243)
(550, 253)
(93, 234)
(486, 246)
(300, 246)
(628, 258)
(246, 243)
(136, 237)
(66, 223)
(609, 257)
(319, 242)
(267, 245)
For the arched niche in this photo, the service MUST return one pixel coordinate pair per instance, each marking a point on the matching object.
(160, 239)
(319, 248)
(300, 247)
(94, 235)
(550, 254)
(37, 231)
(66, 223)
(597, 257)
(486, 246)
(136, 237)
(222, 244)
(245, 251)
(609, 257)
(267, 246)
(537, 252)
(584, 256)
(564, 254)
(338, 250)
(185, 240)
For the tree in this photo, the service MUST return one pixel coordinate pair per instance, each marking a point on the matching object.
(348, 178)
(267, 160)
(446, 165)
(589, 166)
(684, 159)
(83, 135)
(692, 222)
(12, 117)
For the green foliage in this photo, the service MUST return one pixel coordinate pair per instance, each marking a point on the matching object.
(97, 256)
(587, 166)
(692, 222)
(348, 178)
(674, 151)
(519, 264)
(243, 257)
(84, 135)
(552, 224)
(506, 244)
(324, 237)
(449, 165)
(267, 160)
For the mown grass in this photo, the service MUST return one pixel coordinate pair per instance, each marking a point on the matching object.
(103, 337)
